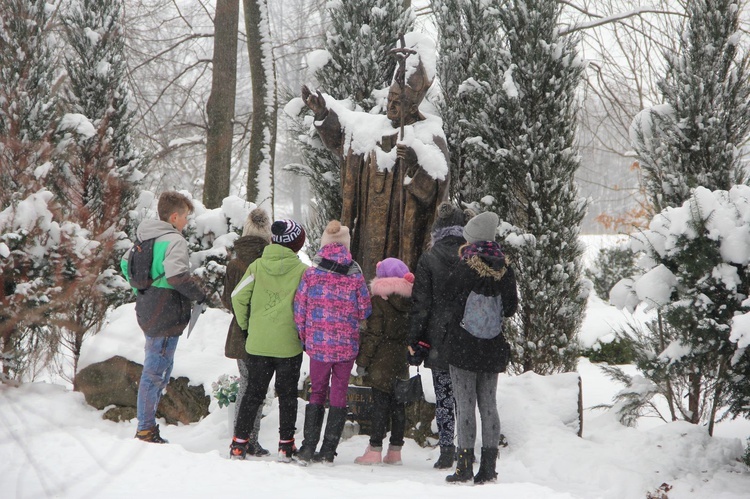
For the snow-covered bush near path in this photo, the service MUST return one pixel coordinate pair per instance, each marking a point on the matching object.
(42, 262)
(696, 262)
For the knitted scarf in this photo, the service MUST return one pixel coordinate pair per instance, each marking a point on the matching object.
(480, 248)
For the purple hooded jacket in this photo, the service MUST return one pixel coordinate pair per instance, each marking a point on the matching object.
(331, 299)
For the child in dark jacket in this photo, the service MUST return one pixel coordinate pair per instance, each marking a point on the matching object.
(256, 235)
(383, 357)
(331, 300)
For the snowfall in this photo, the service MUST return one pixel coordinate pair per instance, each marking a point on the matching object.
(52, 444)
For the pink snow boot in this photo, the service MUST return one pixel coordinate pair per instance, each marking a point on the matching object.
(371, 456)
(393, 456)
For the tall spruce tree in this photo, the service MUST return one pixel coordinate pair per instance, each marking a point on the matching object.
(546, 71)
(101, 168)
(357, 41)
(694, 138)
(33, 249)
(471, 69)
(28, 105)
(102, 183)
(692, 141)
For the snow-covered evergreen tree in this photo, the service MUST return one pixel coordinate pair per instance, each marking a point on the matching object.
(357, 66)
(99, 175)
(27, 103)
(29, 279)
(104, 167)
(471, 71)
(690, 143)
(694, 137)
(696, 274)
(541, 160)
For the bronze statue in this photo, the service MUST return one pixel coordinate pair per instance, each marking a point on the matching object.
(389, 200)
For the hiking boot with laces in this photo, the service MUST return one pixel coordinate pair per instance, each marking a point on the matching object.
(151, 435)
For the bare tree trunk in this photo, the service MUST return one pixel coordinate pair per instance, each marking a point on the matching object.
(718, 392)
(263, 125)
(694, 398)
(670, 390)
(220, 105)
(7, 351)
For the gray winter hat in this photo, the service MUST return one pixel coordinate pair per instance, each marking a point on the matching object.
(482, 227)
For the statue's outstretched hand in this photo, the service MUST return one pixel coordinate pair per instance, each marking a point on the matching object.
(316, 103)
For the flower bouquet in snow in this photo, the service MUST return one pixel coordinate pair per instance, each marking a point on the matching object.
(225, 389)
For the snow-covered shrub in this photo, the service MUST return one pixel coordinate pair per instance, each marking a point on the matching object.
(616, 352)
(611, 265)
(696, 261)
(535, 189)
(746, 454)
(43, 262)
(694, 136)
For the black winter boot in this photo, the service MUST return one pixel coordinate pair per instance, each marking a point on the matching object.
(447, 457)
(334, 428)
(464, 467)
(486, 471)
(314, 414)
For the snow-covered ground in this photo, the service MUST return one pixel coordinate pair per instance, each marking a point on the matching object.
(52, 444)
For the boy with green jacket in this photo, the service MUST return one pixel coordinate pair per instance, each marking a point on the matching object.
(263, 306)
(163, 309)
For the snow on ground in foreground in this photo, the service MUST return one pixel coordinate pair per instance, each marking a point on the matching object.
(52, 444)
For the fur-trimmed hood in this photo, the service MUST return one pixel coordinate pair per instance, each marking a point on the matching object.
(385, 286)
(495, 268)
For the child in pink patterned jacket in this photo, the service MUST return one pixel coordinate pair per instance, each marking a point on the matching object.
(331, 300)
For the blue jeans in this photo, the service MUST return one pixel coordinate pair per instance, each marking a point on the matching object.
(157, 366)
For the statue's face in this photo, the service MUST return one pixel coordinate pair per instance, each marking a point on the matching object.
(393, 111)
(397, 98)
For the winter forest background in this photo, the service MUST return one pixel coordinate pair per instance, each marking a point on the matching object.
(565, 117)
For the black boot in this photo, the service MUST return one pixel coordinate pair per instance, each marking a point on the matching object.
(464, 467)
(447, 457)
(334, 428)
(486, 471)
(314, 414)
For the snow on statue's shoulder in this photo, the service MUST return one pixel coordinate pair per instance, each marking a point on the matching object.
(364, 132)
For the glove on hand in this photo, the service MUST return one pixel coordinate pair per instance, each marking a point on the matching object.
(421, 351)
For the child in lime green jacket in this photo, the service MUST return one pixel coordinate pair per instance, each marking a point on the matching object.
(263, 305)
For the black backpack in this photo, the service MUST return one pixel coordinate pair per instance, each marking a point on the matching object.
(139, 264)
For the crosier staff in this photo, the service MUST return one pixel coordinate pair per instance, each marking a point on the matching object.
(401, 53)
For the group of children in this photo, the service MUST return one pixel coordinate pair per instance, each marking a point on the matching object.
(283, 308)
